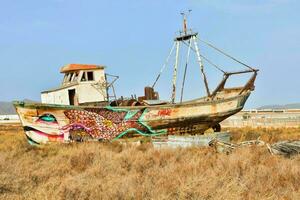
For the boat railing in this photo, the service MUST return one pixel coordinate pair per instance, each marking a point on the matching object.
(248, 86)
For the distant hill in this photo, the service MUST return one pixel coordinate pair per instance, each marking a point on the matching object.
(7, 108)
(281, 107)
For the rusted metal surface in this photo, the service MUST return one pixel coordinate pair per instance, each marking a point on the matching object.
(126, 102)
(150, 94)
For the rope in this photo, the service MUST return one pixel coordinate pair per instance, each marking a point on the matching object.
(211, 63)
(164, 66)
(224, 53)
(207, 60)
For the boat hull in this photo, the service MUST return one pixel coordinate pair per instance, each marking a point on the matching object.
(58, 123)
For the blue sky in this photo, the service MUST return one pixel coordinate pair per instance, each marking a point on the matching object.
(132, 38)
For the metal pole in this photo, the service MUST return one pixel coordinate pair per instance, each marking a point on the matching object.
(185, 69)
(175, 73)
(115, 95)
(106, 87)
(201, 65)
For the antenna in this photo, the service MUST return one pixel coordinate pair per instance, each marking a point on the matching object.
(185, 15)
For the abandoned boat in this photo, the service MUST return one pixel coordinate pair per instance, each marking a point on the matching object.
(82, 108)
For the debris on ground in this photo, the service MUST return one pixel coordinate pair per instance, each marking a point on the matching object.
(221, 142)
(286, 148)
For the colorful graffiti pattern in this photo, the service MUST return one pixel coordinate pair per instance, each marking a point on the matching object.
(108, 123)
(91, 123)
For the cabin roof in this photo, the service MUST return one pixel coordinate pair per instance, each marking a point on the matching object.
(76, 67)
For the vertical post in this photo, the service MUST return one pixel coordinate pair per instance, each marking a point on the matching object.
(184, 24)
(185, 69)
(106, 88)
(113, 88)
(201, 65)
(175, 73)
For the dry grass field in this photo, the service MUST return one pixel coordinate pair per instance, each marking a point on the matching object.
(115, 171)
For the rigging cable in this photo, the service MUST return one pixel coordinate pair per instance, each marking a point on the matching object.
(164, 66)
(207, 60)
(224, 53)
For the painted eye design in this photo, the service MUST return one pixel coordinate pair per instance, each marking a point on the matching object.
(47, 118)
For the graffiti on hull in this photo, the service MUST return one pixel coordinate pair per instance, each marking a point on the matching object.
(109, 123)
(92, 123)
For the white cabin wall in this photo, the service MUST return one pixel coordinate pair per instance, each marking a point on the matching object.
(88, 93)
(57, 97)
(62, 96)
(47, 98)
(99, 75)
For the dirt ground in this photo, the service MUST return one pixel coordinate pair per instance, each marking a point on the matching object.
(115, 171)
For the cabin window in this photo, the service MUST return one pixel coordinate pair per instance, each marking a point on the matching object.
(90, 76)
(83, 78)
(65, 78)
(75, 76)
(70, 77)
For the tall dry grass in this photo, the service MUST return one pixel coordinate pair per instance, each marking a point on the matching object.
(270, 135)
(114, 171)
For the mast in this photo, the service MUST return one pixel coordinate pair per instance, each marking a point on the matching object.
(187, 36)
(175, 73)
(185, 70)
(190, 39)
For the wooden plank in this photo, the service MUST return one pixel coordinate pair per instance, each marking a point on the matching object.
(174, 141)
